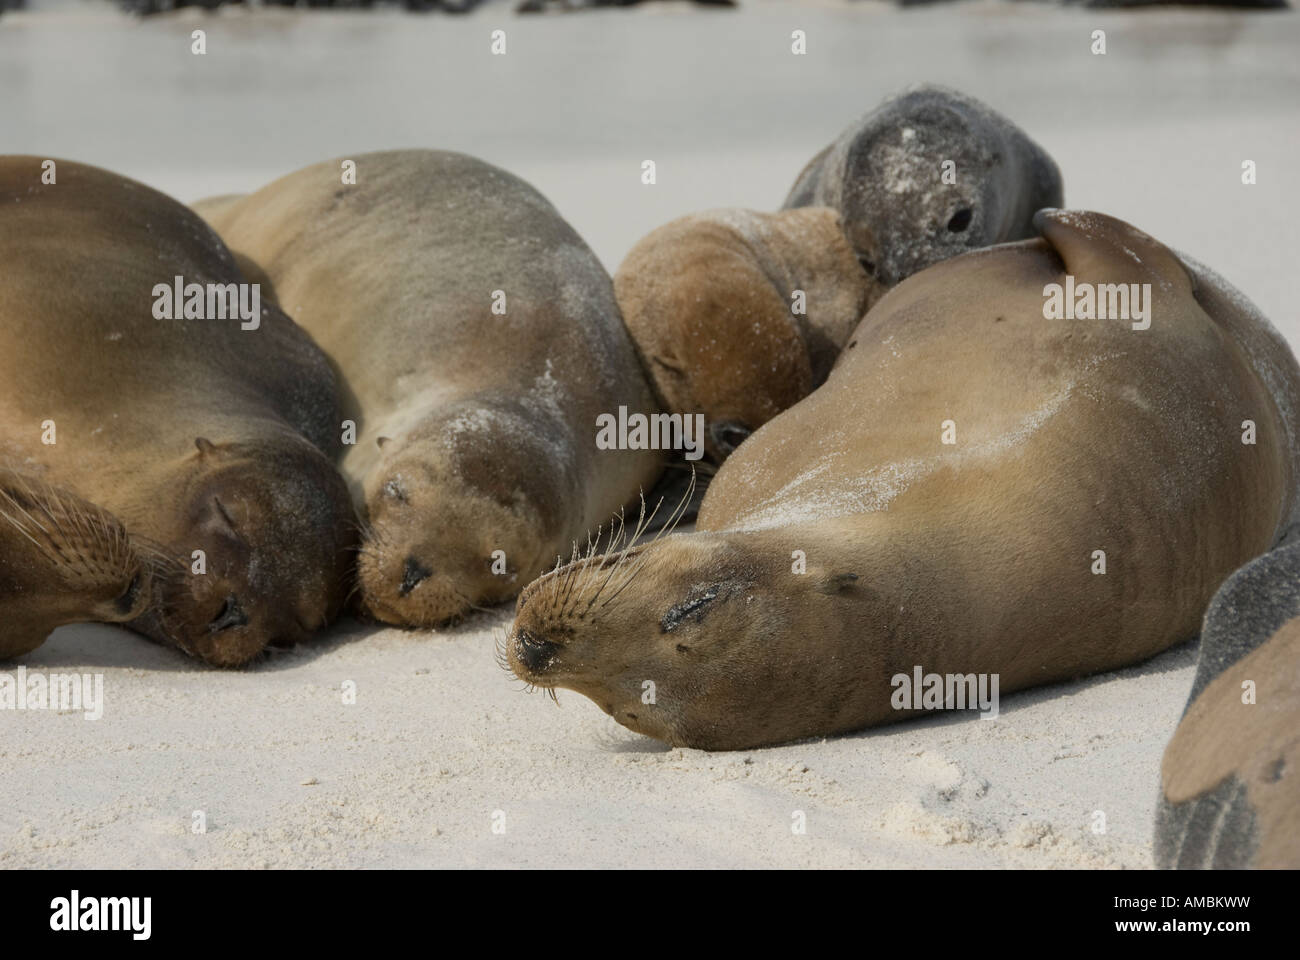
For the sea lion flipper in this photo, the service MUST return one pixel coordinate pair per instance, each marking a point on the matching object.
(1096, 245)
(1225, 798)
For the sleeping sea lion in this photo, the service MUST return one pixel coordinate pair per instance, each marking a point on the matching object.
(479, 341)
(210, 436)
(738, 315)
(981, 488)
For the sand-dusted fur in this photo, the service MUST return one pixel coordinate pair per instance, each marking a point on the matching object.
(477, 430)
(710, 302)
(195, 434)
(63, 560)
(970, 558)
(884, 174)
(1228, 798)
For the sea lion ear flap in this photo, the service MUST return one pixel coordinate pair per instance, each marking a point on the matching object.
(381, 441)
(205, 447)
(1107, 250)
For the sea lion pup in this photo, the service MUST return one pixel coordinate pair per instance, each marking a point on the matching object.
(738, 315)
(1228, 798)
(197, 434)
(63, 560)
(479, 340)
(846, 545)
(903, 207)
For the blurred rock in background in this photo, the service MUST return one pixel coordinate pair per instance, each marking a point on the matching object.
(145, 7)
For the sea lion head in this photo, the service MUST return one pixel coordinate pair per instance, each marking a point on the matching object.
(688, 639)
(275, 524)
(64, 560)
(457, 511)
(933, 174)
(738, 315)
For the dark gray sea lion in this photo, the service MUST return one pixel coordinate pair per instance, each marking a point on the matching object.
(1229, 796)
(885, 175)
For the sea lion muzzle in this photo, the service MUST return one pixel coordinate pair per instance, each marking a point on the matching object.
(413, 574)
(230, 615)
(534, 653)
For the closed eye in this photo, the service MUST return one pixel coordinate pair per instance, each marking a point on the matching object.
(225, 514)
(674, 617)
(227, 521)
(395, 490)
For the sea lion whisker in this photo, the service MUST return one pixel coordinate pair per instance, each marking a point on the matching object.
(580, 571)
(581, 579)
(568, 583)
(675, 518)
(642, 523)
(618, 562)
(500, 638)
(27, 513)
(17, 525)
(612, 540)
(604, 583)
(469, 603)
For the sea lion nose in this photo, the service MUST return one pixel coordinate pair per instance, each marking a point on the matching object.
(230, 615)
(414, 574)
(728, 435)
(533, 652)
(889, 272)
(126, 602)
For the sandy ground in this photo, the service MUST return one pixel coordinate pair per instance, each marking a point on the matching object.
(440, 744)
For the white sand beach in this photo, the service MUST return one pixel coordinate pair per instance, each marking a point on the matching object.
(440, 739)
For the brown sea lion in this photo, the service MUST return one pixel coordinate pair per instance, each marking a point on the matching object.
(63, 560)
(198, 434)
(1228, 797)
(739, 315)
(479, 341)
(1095, 493)
(927, 175)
